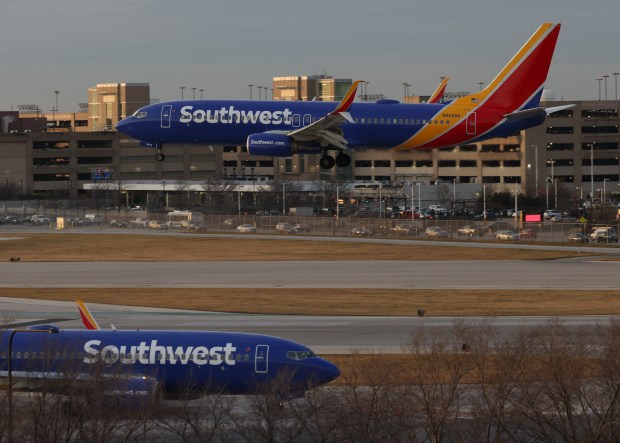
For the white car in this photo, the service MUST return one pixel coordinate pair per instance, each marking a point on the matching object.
(550, 213)
(246, 228)
(506, 235)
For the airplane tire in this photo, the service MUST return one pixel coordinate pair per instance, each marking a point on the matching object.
(327, 162)
(160, 157)
(343, 160)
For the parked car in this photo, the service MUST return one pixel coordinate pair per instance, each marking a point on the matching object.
(301, 227)
(506, 235)
(436, 232)
(117, 223)
(246, 228)
(550, 213)
(361, 231)
(470, 231)
(154, 224)
(577, 237)
(486, 215)
(528, 234)
(604, 235)
(139, 222)
(229, 223)
(284, 228)
(405, 229)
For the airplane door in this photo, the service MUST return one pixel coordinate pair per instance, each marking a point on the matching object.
(470, 123)
(166, 115)
(307, 119)
(261, 361)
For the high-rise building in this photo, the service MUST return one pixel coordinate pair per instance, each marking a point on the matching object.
(108, 103)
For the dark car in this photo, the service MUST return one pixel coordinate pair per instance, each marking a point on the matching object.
(577, 237)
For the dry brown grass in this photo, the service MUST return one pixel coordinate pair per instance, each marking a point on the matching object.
(112, 247)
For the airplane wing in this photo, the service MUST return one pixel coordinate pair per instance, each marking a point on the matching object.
(327, 130)
(87, 318)
(438, 94)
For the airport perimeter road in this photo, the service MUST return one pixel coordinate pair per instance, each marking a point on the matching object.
(324, 334)
(586, 274)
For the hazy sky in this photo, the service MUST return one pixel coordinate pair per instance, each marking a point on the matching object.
(221, 47)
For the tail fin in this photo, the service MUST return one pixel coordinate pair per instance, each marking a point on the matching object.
(438, 94)
(88, 320)
(519, 84)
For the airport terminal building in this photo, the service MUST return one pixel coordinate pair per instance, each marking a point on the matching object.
(58, 154)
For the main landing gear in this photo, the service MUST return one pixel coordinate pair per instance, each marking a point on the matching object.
(328, 162)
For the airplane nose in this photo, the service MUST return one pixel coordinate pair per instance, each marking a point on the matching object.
(328, 372)
(123, 126)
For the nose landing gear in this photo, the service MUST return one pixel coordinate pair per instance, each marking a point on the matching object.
(160, 157)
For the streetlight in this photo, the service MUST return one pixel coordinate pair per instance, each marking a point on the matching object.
(555, 205)
(201, 91)
(605, 77)
(193, 93)
(56, 92)
(536, 167)
(323, 197)
(615, 74)
(605, 180)
(480, 84)
(591, 171)
(419, 185)
(182, 92)
(250, 86)
(260, 92)
(599, 80)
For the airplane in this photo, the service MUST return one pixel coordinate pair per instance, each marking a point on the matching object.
(154, 364)
(509, 104)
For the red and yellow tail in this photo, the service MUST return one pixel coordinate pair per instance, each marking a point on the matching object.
(88, 320)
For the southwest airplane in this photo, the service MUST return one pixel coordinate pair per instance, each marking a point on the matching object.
(144, 364)
(510, 103)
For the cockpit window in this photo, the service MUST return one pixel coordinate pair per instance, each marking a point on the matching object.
(139, 114)
(299, 355)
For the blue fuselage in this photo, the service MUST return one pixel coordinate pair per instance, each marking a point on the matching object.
(235, 363)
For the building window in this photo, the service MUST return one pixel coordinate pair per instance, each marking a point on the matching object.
(512, 163)
(288, 165)
(599, 129)
(491, 163)
(468, 148)
(559, 146)
(599, 113)
(363, 163)
(382, 163)
(230, 163)
(446, 163)
(468, 163)
(424, 163)
(599, 146)
(403, 163)
(490, 148)
(559, 130)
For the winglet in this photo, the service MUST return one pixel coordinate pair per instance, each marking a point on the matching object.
(348, 99)
(438, 94)
(88, 320)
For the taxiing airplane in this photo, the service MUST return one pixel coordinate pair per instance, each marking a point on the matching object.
(509, 103)
(146, 363)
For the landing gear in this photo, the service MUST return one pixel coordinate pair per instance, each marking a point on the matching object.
(327, 161)
(160, 156)
(343, 160)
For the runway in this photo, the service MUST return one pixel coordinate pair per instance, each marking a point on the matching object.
(586, 274)
(324, 334)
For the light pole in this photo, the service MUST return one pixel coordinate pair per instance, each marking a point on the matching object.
(605, 180)
(56, 92)
(605, 77)
(591, 171)
(615, 74)
(516, 208)
(419, 185)
(193, 93)
(555, 205)
(182, 92)
(260, 92)
(480, 84)
(283, 198)
(536, 167)
(323, 197)
(412, 203)
(599, 80)
(201, 91)
(250, 86)
(484, 202)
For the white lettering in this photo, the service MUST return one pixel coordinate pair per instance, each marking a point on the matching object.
(153, 353)
(231, 115)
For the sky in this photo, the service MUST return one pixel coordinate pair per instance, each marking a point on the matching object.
(222, 47)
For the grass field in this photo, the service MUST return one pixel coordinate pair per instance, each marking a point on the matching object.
(323, 301)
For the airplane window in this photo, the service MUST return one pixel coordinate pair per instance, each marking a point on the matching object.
(389, 120)
(246, 357)
(363, 120)
(26, 355)
(376, 120)
(299, 355)
(238, 357)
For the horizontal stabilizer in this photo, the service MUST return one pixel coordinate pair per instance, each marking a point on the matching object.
(526, 114)
(558, 108)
